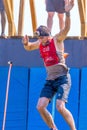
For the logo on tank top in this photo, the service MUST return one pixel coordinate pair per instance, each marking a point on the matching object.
(46, 49)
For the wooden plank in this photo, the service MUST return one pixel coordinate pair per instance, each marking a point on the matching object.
(33, 14)
(21, 17)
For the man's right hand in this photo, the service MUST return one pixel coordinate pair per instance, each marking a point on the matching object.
(25, 40)
(69, 6)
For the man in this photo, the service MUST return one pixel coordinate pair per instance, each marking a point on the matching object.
(3, 18)
(58, 77)
(58, 6)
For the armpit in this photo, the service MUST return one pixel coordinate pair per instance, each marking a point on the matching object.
(60, 37)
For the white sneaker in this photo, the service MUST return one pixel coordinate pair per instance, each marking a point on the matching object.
(53, 129)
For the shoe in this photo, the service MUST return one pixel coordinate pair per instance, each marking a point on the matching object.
(3, 35)
(53, 129)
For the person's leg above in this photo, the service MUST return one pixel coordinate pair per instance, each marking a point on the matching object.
(3, 22)
(46, 95)
(50, 11)
(62, 96)
(60, 10)
(61, 20)
(50, 20)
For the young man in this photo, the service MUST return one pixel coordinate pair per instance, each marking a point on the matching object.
(58, 77)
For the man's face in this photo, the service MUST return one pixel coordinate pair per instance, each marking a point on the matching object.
(43, 39)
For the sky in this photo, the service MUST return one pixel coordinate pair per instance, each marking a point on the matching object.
(41, 15)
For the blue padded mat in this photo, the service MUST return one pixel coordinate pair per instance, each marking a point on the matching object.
(37, 79)
(17, 97)
(83, 101)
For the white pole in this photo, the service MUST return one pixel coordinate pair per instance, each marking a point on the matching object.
(6, 99)
(53, 107)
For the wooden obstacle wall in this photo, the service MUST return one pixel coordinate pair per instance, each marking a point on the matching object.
(10, 16)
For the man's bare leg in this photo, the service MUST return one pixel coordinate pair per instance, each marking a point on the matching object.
(66, 114)
(61, 21)
(50, 20)
(45, 114)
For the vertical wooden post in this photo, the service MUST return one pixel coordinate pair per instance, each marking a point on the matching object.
(21, 17)
(11, 25)
(33, 15)
(82, 13)
(9, 17)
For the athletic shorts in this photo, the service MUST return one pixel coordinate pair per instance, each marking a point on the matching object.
(1, 5)
(60, 86)
(55, 6)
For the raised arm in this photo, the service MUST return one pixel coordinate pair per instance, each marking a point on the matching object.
(29, 46)
(63, 33)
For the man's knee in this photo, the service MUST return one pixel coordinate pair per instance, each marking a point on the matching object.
(39, 107)
(50, 14)
(61, 16)
(60, 106)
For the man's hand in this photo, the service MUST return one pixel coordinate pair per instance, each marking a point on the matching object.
(25, 40)
(69, 6)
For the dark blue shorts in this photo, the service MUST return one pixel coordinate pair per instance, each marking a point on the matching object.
(60, 87)
(1, 5)
(55, 6)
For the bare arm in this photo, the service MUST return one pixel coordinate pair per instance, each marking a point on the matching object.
(63, 33)
(29, 46)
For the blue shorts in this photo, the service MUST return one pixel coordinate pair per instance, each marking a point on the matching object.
(1, 5)
(60, 86)
(55, 6)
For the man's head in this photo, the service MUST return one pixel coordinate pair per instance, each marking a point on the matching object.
(42, 31)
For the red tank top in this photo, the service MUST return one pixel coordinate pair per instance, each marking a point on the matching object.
(48, 53)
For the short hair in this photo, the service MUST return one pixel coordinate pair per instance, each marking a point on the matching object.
(42, 31)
